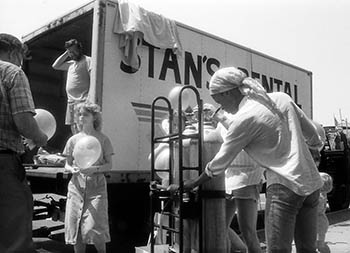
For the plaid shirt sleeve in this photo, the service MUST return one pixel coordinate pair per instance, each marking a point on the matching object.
(22, 100)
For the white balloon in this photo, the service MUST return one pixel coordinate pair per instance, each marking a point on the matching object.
(46, 122)
(174, 97)
(86, 151)
(165, 126)
(162, 161)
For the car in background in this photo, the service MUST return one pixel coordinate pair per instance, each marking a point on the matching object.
(335, 160)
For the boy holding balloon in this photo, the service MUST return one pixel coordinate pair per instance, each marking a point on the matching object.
(89, 153)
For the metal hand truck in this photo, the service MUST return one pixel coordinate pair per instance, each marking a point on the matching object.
(174, 139)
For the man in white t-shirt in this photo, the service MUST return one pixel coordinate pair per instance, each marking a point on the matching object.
(78, 67)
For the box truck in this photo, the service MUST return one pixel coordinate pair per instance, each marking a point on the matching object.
(125, 95)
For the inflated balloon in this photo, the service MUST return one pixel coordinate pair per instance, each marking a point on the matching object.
(46, 122)
(86, 151)
(165, 126)
(174, 97)
(162, 160)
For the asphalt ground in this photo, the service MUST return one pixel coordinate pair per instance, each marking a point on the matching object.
(49, 234)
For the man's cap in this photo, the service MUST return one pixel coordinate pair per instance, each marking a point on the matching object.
(9, 42)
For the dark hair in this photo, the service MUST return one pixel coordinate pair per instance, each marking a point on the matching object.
(9, 43)
(73, 42)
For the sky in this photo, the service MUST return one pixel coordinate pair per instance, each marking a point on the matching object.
(311, 34)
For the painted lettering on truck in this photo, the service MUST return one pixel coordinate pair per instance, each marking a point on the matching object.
(194, 65)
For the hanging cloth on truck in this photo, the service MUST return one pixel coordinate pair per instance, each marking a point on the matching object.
(134, 23)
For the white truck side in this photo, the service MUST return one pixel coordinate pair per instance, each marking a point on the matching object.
(126, 97)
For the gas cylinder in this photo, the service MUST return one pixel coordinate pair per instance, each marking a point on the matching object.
(213, 195)
(213, 201)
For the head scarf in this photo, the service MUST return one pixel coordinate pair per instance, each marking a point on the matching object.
(226, 79)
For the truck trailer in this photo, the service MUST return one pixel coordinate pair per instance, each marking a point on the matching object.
(125, 94)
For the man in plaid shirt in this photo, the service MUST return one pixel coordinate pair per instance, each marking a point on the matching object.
(16, 120)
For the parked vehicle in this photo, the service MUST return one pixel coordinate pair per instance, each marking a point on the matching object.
(126, 95)
(335, 160)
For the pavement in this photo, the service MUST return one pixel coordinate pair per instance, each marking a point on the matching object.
(337, 237)
(338, 234)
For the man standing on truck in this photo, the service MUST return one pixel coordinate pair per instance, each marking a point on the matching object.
(16, 120)
(78, 67)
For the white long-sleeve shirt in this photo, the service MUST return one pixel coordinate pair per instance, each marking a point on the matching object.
(280, 146)
(243, 171)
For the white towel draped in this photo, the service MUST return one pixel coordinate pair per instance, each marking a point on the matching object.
(134, 23)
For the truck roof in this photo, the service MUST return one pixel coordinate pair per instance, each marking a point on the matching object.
(69, 16)
(81, 14)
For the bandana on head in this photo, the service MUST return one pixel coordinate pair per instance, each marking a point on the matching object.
(226, 79)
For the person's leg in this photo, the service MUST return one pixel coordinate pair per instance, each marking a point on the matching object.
(322, 227)
(100, 247)
(282, 206)
(16, 207)
(234, 241)
(306, 225)
(247, 219)
(79, 247)
(72, 117)
(246, 199)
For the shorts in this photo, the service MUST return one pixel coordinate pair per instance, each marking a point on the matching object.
(247, 192)
(72, 113)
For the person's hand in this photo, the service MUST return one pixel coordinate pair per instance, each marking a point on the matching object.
(29, 143)
(71, 169)
(188, 186)
(89, 171)
(41, 140)
(218, 115)
(154, 185)
(173, 188)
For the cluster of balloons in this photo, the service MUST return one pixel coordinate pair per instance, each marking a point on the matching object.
(86, 151)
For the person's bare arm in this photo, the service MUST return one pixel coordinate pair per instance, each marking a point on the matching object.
(61, 62)
(190, 184)
(28, 128)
